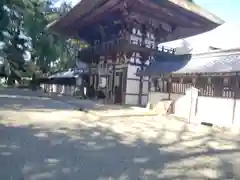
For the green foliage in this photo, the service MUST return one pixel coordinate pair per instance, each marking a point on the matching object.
(14, 43)
(23, 29)
(48, 48)
(43, 49)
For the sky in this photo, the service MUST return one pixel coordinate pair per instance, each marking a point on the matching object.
(228, 10)
(225, 37)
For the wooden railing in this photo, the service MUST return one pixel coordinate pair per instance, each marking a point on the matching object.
(205, 89)
(121, 42)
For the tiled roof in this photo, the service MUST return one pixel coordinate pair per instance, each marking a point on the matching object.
(219, 64)
(205, 63)
(71, 73)
(65, 74)
(183, 9)
(79, 69)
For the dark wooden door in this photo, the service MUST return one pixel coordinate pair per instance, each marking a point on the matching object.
(118, 89)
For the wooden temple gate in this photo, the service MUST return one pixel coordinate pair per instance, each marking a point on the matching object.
(123, 37)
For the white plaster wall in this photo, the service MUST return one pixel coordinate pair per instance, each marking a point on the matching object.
(218, 111)
(131, 72)
(133, 83)
(132, 87)
(58, 89)
(155, 97)
(144, 100)
(145, 87)
(175, 96)
(54, 88)
(185, 107)
(237, 113)
(182, 106)
(215, 110)
(131, 99)
(146, 78)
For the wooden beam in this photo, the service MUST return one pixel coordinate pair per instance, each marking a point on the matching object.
(97, 15)
(235, 96)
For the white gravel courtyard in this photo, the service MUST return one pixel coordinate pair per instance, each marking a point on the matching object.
(53, 142)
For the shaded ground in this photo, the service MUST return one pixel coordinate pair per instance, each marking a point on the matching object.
(17, 99)
(67, 144)
(102, 109)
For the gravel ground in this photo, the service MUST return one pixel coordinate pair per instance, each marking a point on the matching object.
(42, 139)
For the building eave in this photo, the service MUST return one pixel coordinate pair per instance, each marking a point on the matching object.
(227, 61)
(87, 7)
(79, 10)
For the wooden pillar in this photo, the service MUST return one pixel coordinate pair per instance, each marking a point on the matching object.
(141, 85)
(209, 86)
(181, 86)
(169, 87)
(194, 81)
(235, 96)
(124, 85)
(143, 59)
(114, 60)
(217, 85)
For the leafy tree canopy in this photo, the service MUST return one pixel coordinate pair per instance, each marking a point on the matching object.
(25, 44)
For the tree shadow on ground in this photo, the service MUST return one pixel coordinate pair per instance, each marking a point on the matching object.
(40, 104)
(88, 152)
(20, 99)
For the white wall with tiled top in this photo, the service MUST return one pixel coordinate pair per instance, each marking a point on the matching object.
(218, 111)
